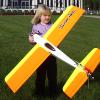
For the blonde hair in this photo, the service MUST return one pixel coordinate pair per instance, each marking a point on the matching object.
(42, 9)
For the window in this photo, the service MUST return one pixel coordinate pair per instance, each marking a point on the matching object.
(40, 1)
(25, 4)
(15, 4)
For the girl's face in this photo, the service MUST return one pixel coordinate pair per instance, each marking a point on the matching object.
(45, 18)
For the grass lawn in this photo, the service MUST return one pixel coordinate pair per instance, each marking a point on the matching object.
(14, 45)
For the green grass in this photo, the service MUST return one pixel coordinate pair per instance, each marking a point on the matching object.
(14, 45)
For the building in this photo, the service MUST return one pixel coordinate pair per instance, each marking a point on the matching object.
(16, 4)
(55, 5)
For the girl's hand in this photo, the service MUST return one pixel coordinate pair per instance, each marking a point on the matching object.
(31, 39)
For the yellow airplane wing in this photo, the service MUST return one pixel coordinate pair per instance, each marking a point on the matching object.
(36, 56)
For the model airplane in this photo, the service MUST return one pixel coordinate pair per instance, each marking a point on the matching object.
(36, 56)
(83, 70)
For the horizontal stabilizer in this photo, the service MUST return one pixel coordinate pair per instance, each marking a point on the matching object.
(79, 77)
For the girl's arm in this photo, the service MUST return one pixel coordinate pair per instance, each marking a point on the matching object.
(31, 38)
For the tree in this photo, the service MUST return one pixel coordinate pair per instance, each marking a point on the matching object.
(94, 4)
(90, 4)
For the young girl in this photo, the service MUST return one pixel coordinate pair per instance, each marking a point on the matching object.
(41, 23)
